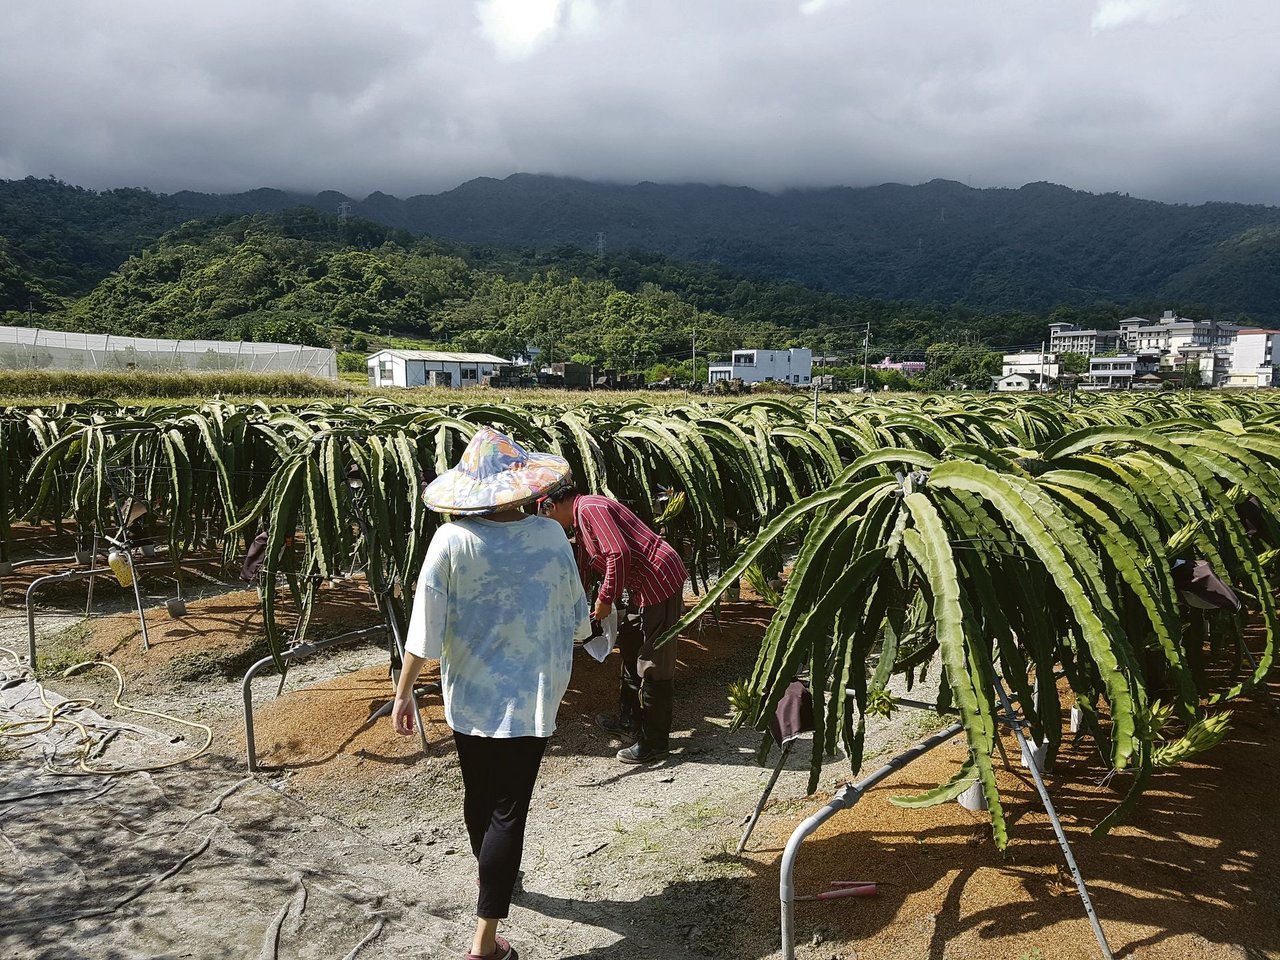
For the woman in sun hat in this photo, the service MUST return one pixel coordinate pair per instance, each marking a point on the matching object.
(499, 602)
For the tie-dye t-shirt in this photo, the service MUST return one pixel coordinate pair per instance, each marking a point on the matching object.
(499, 605)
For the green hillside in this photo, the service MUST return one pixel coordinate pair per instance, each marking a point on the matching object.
(1031, 249)
(306, 277)
(190, 265)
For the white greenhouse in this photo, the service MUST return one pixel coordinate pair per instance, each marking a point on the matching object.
(28, 348)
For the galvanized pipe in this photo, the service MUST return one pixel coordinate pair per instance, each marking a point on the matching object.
(295, 652)
(786, 749)
(764, 797)
(31, 610)
(1034, 767)
(39, 561)
(90, 572)
(137, 595)
(393, 623)
(848, 795)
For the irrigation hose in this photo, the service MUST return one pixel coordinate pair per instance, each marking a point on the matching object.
(91, 739)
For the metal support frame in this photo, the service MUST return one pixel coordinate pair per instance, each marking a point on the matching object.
(381, 586)
(133, 577)
(8, 566)
(850, 794)
(393, 628)
(295, 652)
(12, 565)
(846, 797)
(121, 541)
(1016, 723)
(91, 573)
(752, 820)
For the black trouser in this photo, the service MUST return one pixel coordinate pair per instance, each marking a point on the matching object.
(645, 700)
(498, 775)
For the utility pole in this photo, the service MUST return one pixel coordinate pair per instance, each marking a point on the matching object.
(866, 346)
(694, 376)
(1042, 366)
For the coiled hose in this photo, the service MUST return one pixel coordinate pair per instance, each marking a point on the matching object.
(92, 734)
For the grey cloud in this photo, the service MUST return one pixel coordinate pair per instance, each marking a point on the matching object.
(1172, 100)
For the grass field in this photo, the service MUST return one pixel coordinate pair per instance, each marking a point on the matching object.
(27, 387)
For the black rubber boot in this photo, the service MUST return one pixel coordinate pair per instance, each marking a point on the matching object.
(655, 724)
(626, 725)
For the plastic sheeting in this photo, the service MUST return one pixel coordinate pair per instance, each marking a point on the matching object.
(28, 348)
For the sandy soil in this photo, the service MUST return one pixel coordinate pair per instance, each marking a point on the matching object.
(351, 830)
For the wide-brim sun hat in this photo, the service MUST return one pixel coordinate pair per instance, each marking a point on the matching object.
(495, 473)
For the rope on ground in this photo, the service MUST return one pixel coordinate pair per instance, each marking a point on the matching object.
(137, 891)
(216, 805)
(294, 906)
(92, 736)
(41, 793)
(369, 937)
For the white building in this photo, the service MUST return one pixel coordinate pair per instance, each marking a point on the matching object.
(1211, 366)
(1253, 361)
(1119, 373)
(1032, 365)
(794, 366)
(1068, 338)
(1011, 383)
(431, 368)
(1171, 333)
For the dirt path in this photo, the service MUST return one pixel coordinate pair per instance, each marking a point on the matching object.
(620, 862)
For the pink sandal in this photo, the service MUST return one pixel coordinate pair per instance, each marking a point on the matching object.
(501, 951)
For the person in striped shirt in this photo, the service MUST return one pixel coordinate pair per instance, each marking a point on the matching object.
(612, 543)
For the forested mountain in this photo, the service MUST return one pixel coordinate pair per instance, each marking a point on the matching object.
(1026, 249)
(993, 250)
(307, 277)
(196, 265)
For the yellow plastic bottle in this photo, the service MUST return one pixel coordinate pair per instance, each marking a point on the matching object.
(119, 565)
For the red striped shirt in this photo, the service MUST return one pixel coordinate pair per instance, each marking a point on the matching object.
(614, 542)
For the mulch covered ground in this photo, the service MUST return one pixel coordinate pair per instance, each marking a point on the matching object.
(322, 734)
(1195, 875)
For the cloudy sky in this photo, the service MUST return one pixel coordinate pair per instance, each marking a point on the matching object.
(1176, 100)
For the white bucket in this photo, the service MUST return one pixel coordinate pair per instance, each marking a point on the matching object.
(973, 798)
(1033, 752)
